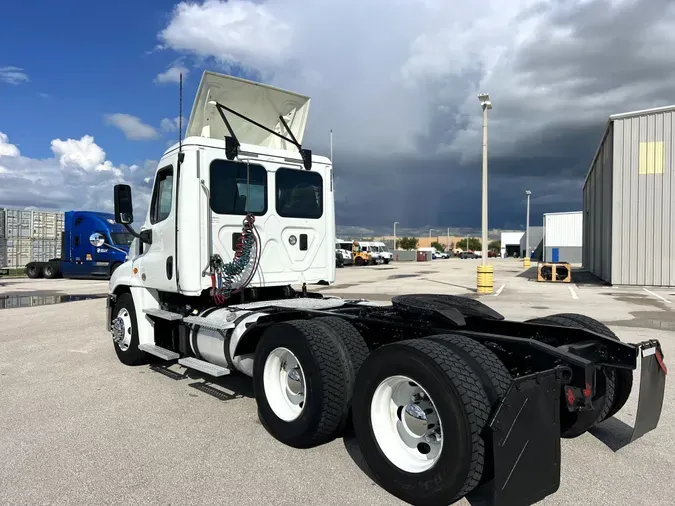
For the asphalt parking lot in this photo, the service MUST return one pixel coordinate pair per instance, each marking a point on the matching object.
(78, 427)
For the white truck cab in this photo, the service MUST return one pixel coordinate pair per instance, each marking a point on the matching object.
(344, 249)
(241, 221)
(385, 255)
(198, 206)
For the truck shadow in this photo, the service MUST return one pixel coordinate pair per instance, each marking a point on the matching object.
(614, 433)
(225, 388)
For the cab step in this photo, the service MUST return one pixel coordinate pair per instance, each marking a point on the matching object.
(162, 353)
(208, 323)
(205, 367)
(164, 315)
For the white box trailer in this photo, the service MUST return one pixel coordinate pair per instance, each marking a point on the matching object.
(440, 389)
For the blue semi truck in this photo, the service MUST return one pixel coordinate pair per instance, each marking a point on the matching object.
(79, 257)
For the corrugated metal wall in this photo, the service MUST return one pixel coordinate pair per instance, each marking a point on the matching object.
(29, 235)
(644, 208)
(564, 229)
(597, 212)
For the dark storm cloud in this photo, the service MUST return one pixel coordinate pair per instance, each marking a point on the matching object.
(596, 59)
(439, 193)
(604, 48)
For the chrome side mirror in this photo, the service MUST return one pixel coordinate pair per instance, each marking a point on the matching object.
(97, 240)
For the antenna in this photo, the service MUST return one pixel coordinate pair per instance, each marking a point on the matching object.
(181, 155)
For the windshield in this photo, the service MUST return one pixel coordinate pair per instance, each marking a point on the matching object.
(121, 238)
(345, 245)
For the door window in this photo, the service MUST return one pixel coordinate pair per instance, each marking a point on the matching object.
(238, 188)
(162, 196)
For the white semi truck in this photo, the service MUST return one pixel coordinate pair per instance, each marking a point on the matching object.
(447, 398)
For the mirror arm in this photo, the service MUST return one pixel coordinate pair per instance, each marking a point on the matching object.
(115, 248)
(145, 235)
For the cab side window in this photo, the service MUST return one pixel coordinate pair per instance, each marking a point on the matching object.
(162, 195)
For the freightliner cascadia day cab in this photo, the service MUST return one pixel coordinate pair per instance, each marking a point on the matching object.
(446, 397)
(80, 256)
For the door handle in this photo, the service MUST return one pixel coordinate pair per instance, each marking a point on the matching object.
(169, 267)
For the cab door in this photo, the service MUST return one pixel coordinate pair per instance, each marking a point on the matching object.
(156, 265)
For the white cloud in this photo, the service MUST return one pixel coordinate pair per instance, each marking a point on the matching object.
(79, 176)
(403, 77)
(171, 124)
(172, 74)
(237, 30)
(13, 75)
(133, 127)
(7, 149)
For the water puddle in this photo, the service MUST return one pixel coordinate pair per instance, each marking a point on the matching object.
(399, 276)
(29, 300)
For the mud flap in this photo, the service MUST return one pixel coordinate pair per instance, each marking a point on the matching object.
(652, 389)
(524, 435)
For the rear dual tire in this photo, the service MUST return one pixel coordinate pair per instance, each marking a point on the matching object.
(303, 379)
(616, 383)
(456, 382)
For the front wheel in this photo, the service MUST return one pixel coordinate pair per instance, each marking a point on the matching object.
(125, 332)
(418, 413)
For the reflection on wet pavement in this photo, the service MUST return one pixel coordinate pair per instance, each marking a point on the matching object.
(26, 300)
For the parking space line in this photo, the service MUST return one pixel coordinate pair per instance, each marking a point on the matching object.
(574, 294)
(658, 296)
(500, 290)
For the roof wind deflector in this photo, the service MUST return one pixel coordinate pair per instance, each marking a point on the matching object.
(232, 143)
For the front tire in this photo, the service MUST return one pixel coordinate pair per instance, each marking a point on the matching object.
(302, 382)
(429, 449)
(125, 332)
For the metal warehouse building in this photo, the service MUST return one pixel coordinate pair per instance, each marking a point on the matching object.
(629, 201)
(563, 237)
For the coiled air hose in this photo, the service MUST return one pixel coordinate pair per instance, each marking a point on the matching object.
(223, 275)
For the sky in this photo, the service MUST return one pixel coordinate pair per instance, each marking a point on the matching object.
(89, 95)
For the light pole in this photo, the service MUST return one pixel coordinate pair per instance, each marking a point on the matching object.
(430, 230)
(485, 271)
(526, 260)
(395, 223)
(447, 240)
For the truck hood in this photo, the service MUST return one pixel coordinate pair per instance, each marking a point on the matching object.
(258, 102)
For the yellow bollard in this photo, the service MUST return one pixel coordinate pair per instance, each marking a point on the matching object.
(526, 262)
(485, 278)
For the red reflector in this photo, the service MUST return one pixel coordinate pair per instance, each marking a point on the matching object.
(587, 390)
(662, 364)
(570, 396)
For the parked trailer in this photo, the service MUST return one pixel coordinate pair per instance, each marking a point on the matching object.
(447, 398)
(92, 246)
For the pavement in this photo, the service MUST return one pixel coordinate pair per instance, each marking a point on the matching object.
(78, 427)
